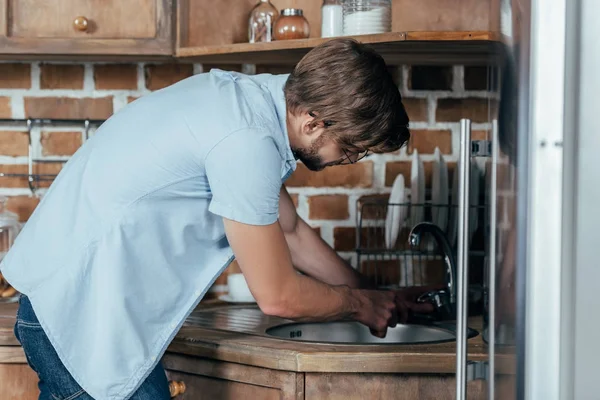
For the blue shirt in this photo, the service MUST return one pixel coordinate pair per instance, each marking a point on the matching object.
(130, 235)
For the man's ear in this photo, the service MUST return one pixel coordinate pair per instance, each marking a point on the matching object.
(308, 125)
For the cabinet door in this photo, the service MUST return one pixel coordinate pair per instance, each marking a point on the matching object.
(86, 27)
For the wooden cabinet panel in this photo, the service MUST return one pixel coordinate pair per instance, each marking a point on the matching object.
(110, 19)
(387, 386)
(104, 28)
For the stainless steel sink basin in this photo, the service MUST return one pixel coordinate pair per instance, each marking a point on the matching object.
(249, 319)
(356, 333)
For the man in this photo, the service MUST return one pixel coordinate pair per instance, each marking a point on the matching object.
(148, 213)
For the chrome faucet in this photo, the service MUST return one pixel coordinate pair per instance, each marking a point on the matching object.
(444, 300)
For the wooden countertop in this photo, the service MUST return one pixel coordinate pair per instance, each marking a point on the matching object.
(267, 352)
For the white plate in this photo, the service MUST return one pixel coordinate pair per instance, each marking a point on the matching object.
(439, 191)
(395, 214)
(417, 189)
(229, 299)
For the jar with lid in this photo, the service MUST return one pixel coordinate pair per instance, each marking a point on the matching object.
(332, 18)
(260, 22)
(291, 25)
(365, 17)
(9, 228)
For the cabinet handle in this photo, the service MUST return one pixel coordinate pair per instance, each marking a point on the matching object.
(80, 24)
(464, 179)
(176, 388)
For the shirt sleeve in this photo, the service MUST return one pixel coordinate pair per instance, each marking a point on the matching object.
(243, 173)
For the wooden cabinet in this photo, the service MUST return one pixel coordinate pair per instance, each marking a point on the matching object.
(86, 27)
(206, 378)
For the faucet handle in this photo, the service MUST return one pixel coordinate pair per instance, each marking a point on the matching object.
(440, 299)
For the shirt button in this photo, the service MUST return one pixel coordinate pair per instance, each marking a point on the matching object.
(153, 358)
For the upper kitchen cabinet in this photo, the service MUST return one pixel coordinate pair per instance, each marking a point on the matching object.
(425, 31)
(96, 28)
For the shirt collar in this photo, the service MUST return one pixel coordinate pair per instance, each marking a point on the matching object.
(275, 85)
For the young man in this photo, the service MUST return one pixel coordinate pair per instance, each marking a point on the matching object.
(148, 213)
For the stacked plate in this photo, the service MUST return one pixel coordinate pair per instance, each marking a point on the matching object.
(375, 20)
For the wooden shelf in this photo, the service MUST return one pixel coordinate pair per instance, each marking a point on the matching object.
(473, 47)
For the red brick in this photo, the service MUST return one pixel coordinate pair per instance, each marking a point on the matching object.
(224, 67)
(159, 76)
(344, 238)
(395, 272)
(68, 108)
(354, 175)
(21, 182)
(132, 98)
(60, 143)
(426, 141)
(22, 205)
(430, 78)
(15, 76)
(332, 207)
(475, 109)
(373, 206)
(61, 76)
(393, 169)
(115, 76)
(5, 109)
(479, 135)
(416, 109)
(481, 78)
(382, 272)
(14, 144)
(294, 197)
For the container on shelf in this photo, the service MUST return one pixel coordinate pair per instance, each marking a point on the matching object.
(261, 21)
(332, 18)
(365, 17)
(291, 24)
(9, 229)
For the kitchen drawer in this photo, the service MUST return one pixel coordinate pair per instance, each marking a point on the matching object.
(107, 19)
(86, 27)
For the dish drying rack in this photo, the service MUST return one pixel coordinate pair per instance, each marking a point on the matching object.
(403, 265)
(33, 179)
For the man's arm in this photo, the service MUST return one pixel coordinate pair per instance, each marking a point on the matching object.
(310, 253)
(263, 256)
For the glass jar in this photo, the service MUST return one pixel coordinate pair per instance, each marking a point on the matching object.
(291, 25)
(9, 229)
(365, 17)
(260, 22)
(332, 18)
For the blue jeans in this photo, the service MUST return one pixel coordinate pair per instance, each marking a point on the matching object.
(55, 382)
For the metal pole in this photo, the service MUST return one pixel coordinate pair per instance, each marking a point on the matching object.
(492, 265)
(464, 177)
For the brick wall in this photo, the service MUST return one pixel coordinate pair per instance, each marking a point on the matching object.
(435, 98)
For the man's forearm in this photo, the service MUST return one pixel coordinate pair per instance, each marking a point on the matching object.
(313, 256)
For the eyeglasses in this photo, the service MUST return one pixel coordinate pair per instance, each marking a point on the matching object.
(352, 158)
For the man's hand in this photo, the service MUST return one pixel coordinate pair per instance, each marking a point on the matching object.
(406, 301)
(377, 310)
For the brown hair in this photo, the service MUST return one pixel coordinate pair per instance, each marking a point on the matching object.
(347, 87)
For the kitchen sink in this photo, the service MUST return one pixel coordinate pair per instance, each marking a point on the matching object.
(358, 334)
(249, 319)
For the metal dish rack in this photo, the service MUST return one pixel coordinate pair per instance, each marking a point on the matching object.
(402, 265)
